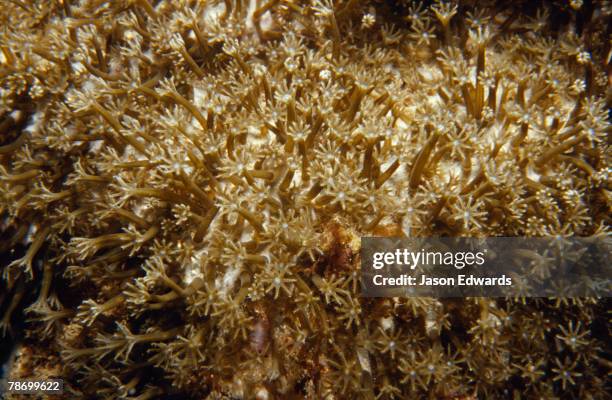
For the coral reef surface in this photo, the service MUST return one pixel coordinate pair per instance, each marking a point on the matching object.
(183, 186)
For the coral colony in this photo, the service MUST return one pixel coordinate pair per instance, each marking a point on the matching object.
(183, 186)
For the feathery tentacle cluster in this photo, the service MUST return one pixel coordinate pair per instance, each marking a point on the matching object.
(183, 185)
